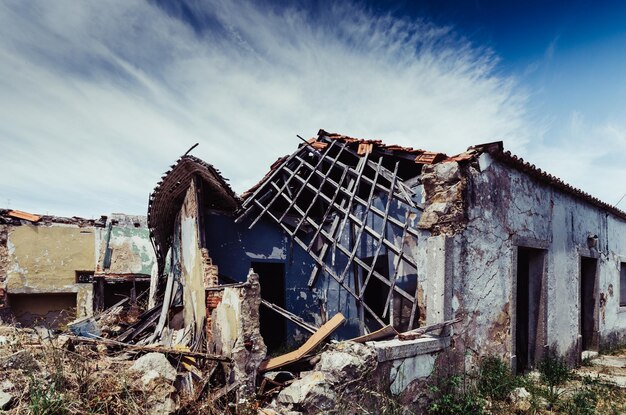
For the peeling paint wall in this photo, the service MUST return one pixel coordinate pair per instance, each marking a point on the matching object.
(507, 209)
(4, 264)
(192, 263)
(233, 247)
(44, 259)
(128, 240)
(236, 333)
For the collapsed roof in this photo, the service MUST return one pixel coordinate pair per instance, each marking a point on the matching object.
(167, 197)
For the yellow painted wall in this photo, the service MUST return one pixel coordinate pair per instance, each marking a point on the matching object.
(46, 258)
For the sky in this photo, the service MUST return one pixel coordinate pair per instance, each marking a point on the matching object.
(99, 98)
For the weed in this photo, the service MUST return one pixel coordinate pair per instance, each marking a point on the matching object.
(45, 399)
(554, 372)
(495, 379)
(453, 395)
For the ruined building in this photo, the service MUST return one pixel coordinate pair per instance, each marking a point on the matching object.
(400, 237)
(423, 260)
(54, 269)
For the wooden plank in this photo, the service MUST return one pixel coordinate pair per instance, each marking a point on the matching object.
(157, 349)
(290, 316)
(396, 269)
(18, 214)
(308, 178)
(357, 237)
(384, 231)
(326, 330)
(362, 202)
(384, 333)
(355, 188)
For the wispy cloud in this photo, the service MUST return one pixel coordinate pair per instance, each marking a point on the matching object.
(99, 98)
(587, 154)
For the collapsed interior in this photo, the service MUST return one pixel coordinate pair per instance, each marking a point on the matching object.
(353, 214)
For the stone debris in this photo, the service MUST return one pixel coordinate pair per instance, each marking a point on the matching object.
(6, 395)
(154, 366)
(521, 399)
(343, 368)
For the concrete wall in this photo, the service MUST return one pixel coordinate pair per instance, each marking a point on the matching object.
(507, 209)
(44, 259)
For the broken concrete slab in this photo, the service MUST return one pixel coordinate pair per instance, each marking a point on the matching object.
(400, 349)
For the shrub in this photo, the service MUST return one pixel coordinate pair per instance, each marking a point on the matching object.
(495, 379)
(554, 372)
(453, 395)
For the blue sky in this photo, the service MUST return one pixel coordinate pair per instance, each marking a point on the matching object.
(97, 99)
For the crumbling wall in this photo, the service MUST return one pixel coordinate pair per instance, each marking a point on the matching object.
(45, 258)
(4, 264)
(444, 201)
(383, 376)
(507, 209)
(192, 262)
(236, 333)
(128, 240)
(233, 247)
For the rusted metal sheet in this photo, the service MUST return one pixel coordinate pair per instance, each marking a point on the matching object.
(24, 215)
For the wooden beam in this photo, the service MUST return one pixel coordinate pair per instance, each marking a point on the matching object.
(290, 316)
(157, 349)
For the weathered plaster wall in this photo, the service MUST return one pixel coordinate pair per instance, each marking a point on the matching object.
(236, 333)
(4, 256)
(129, 243)
(508, 209)
(192, 270)
(44, 259)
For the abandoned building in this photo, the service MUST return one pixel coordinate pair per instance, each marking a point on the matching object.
(54, 269)
(394, 236)
(423, 260)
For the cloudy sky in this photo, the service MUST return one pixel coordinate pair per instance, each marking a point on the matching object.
(98, 98)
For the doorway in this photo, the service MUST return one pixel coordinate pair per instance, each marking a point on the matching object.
(588, 332)
(272, 281)
(529, 308)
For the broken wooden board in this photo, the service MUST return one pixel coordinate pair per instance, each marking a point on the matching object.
(381, 334)
(326, 330)
(24, 215)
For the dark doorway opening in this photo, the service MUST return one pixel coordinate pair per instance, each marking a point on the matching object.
(47, 310)
(530, 308)
(376, 291)
(107, 293)
(272, 281)
(588, 267)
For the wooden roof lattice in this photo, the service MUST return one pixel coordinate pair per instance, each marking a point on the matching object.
(346, 209)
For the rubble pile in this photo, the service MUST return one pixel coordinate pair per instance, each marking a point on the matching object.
(44, 373)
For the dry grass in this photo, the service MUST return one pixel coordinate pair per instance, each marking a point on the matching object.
(50, 379)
